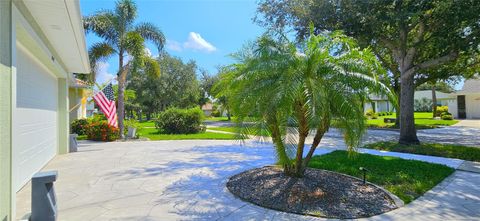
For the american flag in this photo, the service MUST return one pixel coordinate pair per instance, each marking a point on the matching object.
(106, 101)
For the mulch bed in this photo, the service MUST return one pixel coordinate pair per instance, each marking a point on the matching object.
(319, 193)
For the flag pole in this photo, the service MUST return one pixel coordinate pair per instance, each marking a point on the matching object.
(78, 104)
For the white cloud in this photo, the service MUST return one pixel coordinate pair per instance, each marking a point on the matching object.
(194, 42)
(197, 43)
(148, 52)
(103, 75)
(174, 45)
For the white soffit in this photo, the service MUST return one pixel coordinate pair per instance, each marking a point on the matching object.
(61, 23)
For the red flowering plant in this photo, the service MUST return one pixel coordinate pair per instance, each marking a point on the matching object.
(101, 131)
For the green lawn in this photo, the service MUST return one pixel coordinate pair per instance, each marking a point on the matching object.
(408, 179)
(82, 137)
(216, 119)
(431, 149)
(237, 130)
(153, 134)
(149, 123)
(423, 120)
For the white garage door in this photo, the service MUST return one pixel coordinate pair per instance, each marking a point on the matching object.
(34, 118)
(473, 106)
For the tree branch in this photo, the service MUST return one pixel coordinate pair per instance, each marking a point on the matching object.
(388, 43)
(391, 65)
(437, 61)
(412, 51)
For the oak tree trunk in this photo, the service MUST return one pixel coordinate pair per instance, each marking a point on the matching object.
(408, 133)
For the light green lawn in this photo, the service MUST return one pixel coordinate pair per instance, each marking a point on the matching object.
(423, 120)
(431, 149)
(149, 123)
(216, 119)
(153, 134)
(408, 179)
(237, 130)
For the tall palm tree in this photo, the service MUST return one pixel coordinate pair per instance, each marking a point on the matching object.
(291, 93)
(124, 38)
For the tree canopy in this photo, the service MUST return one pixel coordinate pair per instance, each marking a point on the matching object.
(178, 86)
(416, 40)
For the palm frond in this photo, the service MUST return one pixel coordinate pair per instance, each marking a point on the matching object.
(103, 24)
(152, 33)
(100, 51)
(126, 12)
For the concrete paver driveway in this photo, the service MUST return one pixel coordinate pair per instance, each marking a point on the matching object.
(185, 180)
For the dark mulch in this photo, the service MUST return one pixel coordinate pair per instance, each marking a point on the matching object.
(320, 193)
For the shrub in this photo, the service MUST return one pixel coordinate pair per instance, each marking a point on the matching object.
(78, 126)
(374, 116)
(441, 110)
(97, 118)
(215, 113)
(180, 121)
(445, 113)
(101, 131)
(447, 117)
(369, 112)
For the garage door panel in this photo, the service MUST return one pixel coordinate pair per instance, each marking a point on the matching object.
(35, 137)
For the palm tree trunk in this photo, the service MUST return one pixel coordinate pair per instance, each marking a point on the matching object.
(397, 107)
(121, 105)
(434, 100)
(278, 143)
(321, 130)
(302, 135)
(122, 77)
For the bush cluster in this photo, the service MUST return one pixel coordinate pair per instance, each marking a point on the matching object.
(180, 121)
(96, 128)
(446, 116)
(371, 114)
(441, 110)
(101, 131)
(78, 126)
(385, 113)
(215, 113)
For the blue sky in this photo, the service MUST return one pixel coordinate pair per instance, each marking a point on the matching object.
(206, 31)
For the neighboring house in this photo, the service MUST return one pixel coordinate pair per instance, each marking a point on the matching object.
(42, 44)
(91, 108)
(378, 103)
(463, 104)
(443, 99)
(467, 103)
(78, 93)
(207, 109)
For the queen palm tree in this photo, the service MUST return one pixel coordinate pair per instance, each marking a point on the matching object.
(291, 93)
(124, 38)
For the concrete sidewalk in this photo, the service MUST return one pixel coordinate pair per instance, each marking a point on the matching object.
(185, 180)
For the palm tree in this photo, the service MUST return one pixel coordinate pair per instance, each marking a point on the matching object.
(291, 93)
(122, 37)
